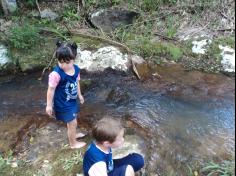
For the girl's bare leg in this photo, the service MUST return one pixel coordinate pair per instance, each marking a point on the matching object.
(129, 171)
(71, 132)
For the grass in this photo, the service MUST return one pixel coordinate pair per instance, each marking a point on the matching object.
(63, 162)
(227, 168)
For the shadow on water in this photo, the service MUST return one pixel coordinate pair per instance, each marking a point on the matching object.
(182, 130)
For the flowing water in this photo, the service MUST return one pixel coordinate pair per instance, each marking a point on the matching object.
(188, 117)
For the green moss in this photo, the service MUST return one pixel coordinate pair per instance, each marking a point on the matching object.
(156, 50)
(87, 42)
(175, 52)
(226, 41)
(214, 52)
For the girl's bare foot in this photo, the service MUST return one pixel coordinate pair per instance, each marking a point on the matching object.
(77, 145)
(80, 135)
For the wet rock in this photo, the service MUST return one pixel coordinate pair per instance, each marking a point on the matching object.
(109, 19)
(118, 97)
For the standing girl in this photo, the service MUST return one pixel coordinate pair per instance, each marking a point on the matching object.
(63, 90)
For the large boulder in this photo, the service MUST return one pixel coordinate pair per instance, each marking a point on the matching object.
(106, 57)
(110, 19)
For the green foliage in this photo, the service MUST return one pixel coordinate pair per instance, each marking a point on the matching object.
(175, 53)
(5, 163)
(30, 3)
(75, 159)
(148, 49)
(226, 168)
(116, 2)
(24, 37)
(171, 29)
(70, 14)
(214, 50)
(90, 3)
(152, 5)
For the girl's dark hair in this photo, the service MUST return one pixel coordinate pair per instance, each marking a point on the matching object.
(66, 51)
(106, 129)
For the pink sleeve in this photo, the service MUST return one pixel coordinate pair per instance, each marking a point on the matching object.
(78, 78)
(53, 79)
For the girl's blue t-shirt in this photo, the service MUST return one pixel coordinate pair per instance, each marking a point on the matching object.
(65, 97)
(94, 155)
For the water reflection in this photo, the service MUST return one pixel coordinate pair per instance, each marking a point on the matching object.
(185, 132)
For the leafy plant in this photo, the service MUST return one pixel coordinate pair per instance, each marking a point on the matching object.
(116, 2)
(24, 37)
(152, 5)
(175, 52)
(226, 168)
(71, 14)
(74, 160)
(171, 28)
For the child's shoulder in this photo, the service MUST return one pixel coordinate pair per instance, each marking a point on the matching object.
(94, 153)
(76, 66)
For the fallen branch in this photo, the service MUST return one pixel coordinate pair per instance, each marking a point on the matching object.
(135, 70)
(102, 39)
(47, 67)
(226, 29)
(195, 32)
(38, 7)
(53, 31)
(165, 37)
(73, 32)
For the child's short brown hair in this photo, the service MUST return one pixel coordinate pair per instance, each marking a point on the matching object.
(107, 129)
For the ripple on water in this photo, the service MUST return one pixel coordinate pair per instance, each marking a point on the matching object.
(185, 132)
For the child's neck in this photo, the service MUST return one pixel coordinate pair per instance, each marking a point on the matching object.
(70, 71)
(102, 147)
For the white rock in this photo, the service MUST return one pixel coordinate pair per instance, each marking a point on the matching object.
(198, 46)
(3, 55)
(103, 58)
(228, 58)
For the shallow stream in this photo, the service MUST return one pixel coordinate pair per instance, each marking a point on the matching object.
(187, 118)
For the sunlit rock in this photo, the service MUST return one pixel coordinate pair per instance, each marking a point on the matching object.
(106, 57)
(3, 56)
(199, 46)
(131, 144)
(228, 58)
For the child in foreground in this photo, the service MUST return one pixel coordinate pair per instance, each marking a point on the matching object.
(109, 133)
(63, 91)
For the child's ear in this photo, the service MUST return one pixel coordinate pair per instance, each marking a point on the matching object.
(74, 45)
(59, 43)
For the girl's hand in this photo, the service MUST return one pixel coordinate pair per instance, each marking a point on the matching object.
(81, 99)
(49, 110)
